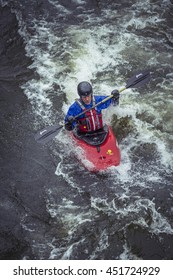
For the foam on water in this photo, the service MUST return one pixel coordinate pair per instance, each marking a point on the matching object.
(89, 57)
(103, 244)
(40, 91)
(127, 255)
(138, 209)
(105, 55)
(67, 254)
(61, 8)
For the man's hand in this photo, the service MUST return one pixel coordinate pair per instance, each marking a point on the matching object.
(116, 96)
(69, 123)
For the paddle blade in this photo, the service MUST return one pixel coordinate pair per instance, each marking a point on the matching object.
(47, 134)
(139, 79)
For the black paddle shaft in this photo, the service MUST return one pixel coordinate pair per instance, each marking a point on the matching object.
(48, 133)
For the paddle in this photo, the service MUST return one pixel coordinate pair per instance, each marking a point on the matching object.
(48, 133)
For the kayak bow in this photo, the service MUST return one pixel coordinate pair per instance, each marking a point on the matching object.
(97, 151)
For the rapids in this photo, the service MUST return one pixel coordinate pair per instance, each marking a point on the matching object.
(58, 209)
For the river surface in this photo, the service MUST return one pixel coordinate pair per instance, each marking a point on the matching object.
(51, 207)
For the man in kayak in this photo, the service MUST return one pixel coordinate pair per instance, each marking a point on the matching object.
(90, 121)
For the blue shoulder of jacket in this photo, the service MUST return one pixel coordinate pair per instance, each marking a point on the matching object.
(105, 104)
(75, 106)
(73, 110)
(99, 98)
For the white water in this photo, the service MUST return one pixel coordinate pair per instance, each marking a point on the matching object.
(105, 55)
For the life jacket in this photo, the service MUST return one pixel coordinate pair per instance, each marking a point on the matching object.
(92, 120)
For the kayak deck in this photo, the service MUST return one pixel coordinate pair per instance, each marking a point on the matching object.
(102, 153)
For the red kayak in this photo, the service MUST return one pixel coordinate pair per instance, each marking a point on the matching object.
(97, 151)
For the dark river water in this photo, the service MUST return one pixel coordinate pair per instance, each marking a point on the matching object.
(50, 206)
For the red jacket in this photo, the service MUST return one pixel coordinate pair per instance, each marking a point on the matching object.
(92, 119)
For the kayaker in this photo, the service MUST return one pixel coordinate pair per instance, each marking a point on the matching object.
(91, 120)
